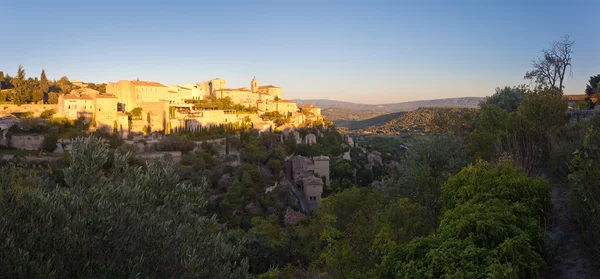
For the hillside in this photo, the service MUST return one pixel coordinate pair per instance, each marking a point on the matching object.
(345, 115)
(364, 123)
(395, 107)
(405, 122)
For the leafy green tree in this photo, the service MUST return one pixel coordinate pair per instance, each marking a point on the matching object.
(541, 109)
(52, 98)
(3, 96)
(593, 86)
(356, 227)
(491, 228)
(20, 95)
(37, 96)
(507, 98)
(64, 85)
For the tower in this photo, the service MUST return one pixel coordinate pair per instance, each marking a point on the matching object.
(254, 85)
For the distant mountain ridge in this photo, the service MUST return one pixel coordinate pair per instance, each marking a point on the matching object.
(395, 107)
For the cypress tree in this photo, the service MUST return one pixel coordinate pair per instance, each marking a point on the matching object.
(44, 84)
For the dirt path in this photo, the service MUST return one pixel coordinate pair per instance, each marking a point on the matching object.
(570, 260)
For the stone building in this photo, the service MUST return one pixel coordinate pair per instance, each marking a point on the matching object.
(321, 167)
(178, 94)
(131, 93)
(73, 107)
(105, 112)
(284, 107)
(309, 109)
(307, 174)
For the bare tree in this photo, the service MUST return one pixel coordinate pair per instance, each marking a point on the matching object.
(551, 66)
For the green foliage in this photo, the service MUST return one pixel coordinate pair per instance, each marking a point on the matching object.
(491, 227)
(212, 102)
(47, 114)
(50, 142)
(52, 98)
(426, 119)
(585, 190)
(136, 113)
(122, 222)
(355, 227)
(507, 98)
(173, 143)
(524, 134)
(64, 85)
(44, 84)
(593, 85)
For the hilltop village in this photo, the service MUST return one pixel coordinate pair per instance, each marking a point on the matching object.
(134, 106)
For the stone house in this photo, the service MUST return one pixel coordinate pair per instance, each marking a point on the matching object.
(131, 93)
(73, 107)
(310, 139)
(307, 174)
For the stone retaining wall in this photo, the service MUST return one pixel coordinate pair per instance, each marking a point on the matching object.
(27, 142)
(35, 108)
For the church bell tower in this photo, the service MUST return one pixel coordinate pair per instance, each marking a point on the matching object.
(254, 85)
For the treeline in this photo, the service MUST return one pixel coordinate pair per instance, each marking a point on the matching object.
(22, 90)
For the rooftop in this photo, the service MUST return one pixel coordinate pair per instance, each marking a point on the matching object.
(146, 83)
(311, 180)
(574, 97)
(321, 158)
(268, 86)
(105, 96)
(75, 97)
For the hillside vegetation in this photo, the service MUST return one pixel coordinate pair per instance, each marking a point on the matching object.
(422, 120)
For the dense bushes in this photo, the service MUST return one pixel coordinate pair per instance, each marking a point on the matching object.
(491, 227)
(116, 222)
(174, 143)
(585, 189)
(524, 134)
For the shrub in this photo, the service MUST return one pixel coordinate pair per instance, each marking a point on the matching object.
(119, 222)
(507, 98)
(50, 142)
(491, 227)
(173, 143)
(47, 113)
(585, 190)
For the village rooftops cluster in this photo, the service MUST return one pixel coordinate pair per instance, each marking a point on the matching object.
(167, 108)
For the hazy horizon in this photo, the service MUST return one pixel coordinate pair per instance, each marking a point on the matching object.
(354, 51)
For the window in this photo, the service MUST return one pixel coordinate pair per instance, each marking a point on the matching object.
(312, 198)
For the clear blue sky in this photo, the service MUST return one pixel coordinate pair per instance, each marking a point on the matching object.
(359, 51)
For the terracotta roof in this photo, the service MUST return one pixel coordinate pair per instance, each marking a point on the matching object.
(284, 101)
(268, 86)
(146, 83)
(75, 97)
(105, 96)
(574, 97)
